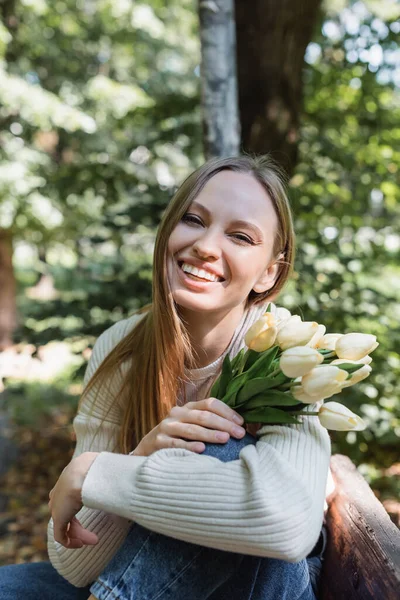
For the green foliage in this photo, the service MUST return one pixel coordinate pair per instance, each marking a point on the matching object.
(345, 198)
(30, 403)
(100, 121)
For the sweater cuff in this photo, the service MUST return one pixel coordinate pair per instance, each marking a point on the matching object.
(105, 485)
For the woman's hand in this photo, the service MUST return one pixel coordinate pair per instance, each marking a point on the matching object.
(66, 501)
(209, 420)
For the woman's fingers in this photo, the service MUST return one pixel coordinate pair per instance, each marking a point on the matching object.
(79, 533)
(60, 532)
(202, 425)
(73, 535)
(218, 407)
(191, 431)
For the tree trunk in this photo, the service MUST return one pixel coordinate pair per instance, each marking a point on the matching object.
(8, 312)
(218, 74)
(271, 41)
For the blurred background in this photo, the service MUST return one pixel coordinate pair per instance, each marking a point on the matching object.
(101, 120)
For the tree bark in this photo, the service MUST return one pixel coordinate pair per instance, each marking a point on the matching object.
(271, 41)
(218, 75)
(8, 312)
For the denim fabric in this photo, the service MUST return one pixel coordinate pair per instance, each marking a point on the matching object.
(37, 581)
(151, 566)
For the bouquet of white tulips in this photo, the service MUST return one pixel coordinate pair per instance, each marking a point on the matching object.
(289, 364)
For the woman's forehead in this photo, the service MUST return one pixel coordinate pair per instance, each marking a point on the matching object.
(239, 195)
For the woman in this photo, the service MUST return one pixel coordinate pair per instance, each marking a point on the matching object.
(238, 522)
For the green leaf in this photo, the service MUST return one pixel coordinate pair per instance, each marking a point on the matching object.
(214, 392)
(258, 385)
(263, 364)
(237, 361)
(269, 398)
(349, 367)
(252, 356)
(233, 388)
(271, 416)
(226, 375)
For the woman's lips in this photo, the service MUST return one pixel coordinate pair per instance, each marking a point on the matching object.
(193, 281)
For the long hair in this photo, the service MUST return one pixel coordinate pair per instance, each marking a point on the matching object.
(158, 348)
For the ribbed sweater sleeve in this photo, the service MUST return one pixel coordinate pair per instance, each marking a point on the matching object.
(269, 502)
(82, 566)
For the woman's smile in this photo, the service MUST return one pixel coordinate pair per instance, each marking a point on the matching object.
(194, 278)
(221, 248)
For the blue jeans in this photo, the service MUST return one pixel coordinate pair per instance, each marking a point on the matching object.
(151, 566)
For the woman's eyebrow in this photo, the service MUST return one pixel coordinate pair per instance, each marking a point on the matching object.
(237, 223)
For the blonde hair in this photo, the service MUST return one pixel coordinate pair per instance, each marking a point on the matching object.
(158, 347)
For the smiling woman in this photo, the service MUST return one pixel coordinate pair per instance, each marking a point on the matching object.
(166, 495)
(218, 234)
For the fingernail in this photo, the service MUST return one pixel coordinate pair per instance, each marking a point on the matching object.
(238, 419)
(238, 431)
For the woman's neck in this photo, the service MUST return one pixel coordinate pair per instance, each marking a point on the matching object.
(211, 335)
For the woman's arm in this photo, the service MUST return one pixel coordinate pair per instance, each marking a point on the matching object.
(82, 566)
(268, 503)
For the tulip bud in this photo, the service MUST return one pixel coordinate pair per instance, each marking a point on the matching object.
(365, 360)
(317, 337)
(337, 417)
(262, 333)
(357, 376)
(297, 391)
(282, 314)
(324, 381)
(355, 345)
(296, 332)
(328, 341)
(299, 360)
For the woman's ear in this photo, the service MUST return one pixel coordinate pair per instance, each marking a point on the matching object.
(268, 277)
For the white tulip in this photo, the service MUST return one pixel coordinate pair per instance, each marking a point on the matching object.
(282, 314)
(337, 417)
(292, 319)
(298, 361)
(262, 334)
(365, 360)
(317, 337)
(297, 391)
(358, 376)
(342, 361)
(328, 341)
(324, 381)
(296, 332)
(355, 345)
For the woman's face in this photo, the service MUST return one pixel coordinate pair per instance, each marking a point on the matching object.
(228, 233)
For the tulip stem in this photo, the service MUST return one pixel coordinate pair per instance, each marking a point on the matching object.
(278, 370)
(286, 386)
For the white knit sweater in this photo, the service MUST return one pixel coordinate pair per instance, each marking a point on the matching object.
(269, 502)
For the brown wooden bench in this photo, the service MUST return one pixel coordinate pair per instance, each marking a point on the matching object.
(362, 560)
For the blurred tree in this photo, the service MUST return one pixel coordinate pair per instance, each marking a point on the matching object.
(7, 291)
(100, 121)
(218, 74)
(272, 38)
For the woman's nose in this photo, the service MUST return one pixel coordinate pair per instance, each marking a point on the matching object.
(207, 245)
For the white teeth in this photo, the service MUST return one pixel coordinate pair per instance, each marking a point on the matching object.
(199, 272)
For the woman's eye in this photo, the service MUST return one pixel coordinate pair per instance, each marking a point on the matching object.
(243, 238)
(187, 218)
(240, 237)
